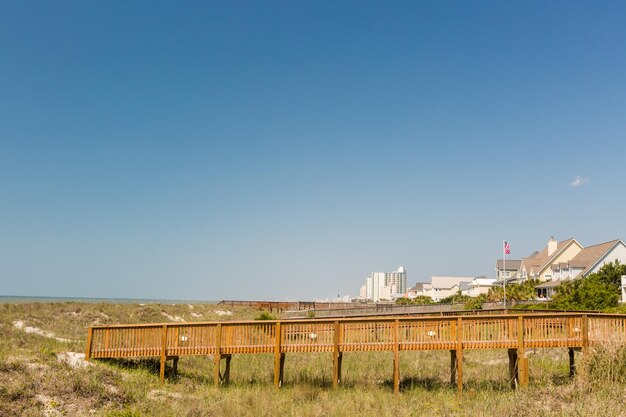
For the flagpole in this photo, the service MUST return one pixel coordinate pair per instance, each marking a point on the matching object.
(504, 269)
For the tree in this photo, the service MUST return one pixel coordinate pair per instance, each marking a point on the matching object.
(476, 303)
(455, 298)
(523, 291)
(423, 299)
(419, 300)
(611, 274)
(403, 301)
(596, 292)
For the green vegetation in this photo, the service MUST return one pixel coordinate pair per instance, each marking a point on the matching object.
(419, 300)
(33, 381)
(476, 303)
(598, 291)
(265, 316)
(456, 298)
(516, 292)
(606, 363)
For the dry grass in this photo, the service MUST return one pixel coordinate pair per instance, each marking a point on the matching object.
(34, 382)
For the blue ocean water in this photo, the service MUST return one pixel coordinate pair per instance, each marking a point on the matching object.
(15, 299)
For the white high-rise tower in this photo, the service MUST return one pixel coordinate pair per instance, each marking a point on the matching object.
(385, 285)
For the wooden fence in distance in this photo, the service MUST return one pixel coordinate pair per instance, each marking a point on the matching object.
(515, 332)
(293, 305)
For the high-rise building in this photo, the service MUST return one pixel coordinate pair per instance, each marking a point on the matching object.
(397, 278)
(385, 285)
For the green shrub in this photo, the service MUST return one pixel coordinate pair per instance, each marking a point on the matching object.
(403, 301)
(265, 316)
(455, 298)
(423, 300)
(419, 300)
(476, 303)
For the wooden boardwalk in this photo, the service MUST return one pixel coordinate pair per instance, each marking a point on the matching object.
(169, 341)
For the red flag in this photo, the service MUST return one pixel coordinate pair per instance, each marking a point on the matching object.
(507, 248)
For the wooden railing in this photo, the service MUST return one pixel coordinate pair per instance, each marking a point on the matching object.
(222, 339)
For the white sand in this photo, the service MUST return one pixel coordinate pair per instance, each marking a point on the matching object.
(223, 312)
(173, 318)
(19, 324)
(73, 359)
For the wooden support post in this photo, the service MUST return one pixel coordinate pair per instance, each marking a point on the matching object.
(163, 353)
(459, 354)
(175, 365)
(572, 363)
(279, 358)
(281, 372)
(524, 372)
(89, 341)
(339, 361)
(452, 366)
(218, 356)
(522, 361)
(396, 357)
(336, 356)
(217, 360)
(513, 368)
(226, 378)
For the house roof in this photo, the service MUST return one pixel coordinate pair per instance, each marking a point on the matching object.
(590, 256)
(418, 287)
(539, 261)
(510, 264)
(483, 281)
(448, 282)
(549, 284)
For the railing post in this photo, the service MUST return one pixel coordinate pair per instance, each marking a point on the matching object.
(453, 337)
(218, 355)
(163, 353)
(459, 354)
(585, 329)
(522, 361)
(396, 356)
(107, 340)
(337, 355)
(279, 358)
(89, 341)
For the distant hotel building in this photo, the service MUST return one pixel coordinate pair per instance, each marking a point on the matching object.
(384, 285)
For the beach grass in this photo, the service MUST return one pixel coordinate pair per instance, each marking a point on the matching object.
(36, 380)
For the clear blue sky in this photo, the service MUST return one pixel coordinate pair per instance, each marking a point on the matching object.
(284, 150)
